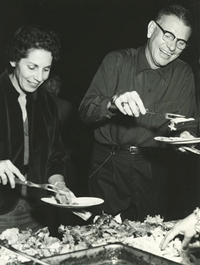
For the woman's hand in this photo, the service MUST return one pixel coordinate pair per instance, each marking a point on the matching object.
(68, 195)
(8, 172)
(185, 227)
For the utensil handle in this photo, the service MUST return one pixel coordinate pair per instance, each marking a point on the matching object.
(26, 183)
(18, 181)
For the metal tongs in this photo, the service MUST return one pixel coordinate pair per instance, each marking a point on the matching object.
(48, 187)
(168, 116)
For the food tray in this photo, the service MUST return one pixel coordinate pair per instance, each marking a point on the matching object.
(116, 253)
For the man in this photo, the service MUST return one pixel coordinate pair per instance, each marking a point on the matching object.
(128, 164)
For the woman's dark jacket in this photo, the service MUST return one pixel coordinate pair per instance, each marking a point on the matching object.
(46, 153)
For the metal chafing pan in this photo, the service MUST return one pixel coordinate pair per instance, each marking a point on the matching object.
(116, 253)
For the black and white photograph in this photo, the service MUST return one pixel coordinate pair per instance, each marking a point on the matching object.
(99, 132)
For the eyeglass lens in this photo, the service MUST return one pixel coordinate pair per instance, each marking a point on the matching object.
(169, 37)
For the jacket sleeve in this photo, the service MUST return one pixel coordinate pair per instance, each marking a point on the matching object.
(57, 154)
(93, 107)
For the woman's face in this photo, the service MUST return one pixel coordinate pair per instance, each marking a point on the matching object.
(30, 72)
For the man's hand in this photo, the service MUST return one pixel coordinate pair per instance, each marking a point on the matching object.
(187, 135)
(130, 104)
(8, 172)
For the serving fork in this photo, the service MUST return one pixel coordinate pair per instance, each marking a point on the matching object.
(46, 186)
(167, 116)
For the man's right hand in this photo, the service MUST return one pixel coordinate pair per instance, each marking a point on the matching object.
(130, 104)
(8, 172)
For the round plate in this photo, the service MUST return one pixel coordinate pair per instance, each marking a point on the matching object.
(80, 202)
(177, 140)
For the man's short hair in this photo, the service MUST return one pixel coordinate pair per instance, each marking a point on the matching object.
(176, 10)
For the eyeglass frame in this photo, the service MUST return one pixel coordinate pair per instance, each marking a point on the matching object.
(174, 37)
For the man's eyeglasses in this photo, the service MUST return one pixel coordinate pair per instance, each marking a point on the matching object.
(169, 37)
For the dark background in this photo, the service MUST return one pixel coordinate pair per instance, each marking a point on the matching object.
(88, 30)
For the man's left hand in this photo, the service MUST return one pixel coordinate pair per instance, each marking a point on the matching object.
(64, 195)
(187, 135)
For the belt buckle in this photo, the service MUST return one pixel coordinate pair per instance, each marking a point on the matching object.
(133, 149)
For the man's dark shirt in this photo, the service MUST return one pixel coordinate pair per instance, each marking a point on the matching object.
(167, 89)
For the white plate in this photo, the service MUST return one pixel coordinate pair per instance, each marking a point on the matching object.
(81, 202)
(177, 140)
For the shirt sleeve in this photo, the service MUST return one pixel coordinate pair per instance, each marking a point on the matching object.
(93, 107)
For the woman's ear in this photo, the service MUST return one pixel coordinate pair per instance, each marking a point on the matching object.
(151, 28)
(13, 64)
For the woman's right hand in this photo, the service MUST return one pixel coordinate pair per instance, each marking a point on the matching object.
(8, 173)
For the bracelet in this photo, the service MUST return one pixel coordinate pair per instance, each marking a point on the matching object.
(197, 215)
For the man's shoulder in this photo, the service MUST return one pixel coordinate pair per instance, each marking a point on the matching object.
(123, 56)
(125, 53)
(179, 64)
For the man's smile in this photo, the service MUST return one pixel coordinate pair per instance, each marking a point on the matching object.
(165, 52)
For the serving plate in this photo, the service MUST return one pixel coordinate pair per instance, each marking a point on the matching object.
(80, 202)
(177, 140)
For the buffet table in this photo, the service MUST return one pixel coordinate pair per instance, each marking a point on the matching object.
(106, 241)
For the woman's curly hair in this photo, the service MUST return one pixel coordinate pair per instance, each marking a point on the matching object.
(32, 37)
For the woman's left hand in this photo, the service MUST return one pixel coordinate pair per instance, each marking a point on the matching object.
(66, 195)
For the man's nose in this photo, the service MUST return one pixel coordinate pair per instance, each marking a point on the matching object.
(172, 45)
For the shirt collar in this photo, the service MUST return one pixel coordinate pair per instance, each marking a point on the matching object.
(143, 65)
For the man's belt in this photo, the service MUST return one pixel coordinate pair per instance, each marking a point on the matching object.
(131, 149)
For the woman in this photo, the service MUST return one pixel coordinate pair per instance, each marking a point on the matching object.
(30, 145)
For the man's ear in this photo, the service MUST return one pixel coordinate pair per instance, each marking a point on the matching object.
(151, 28)
(13, 64)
